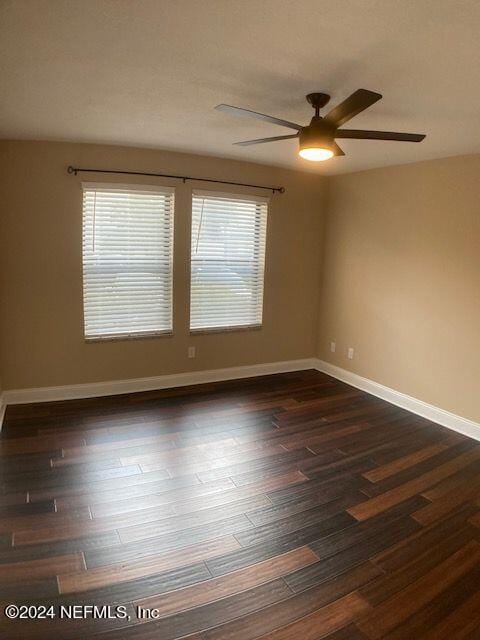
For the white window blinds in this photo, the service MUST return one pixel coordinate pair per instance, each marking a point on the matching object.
(127, 260)
(227, 261)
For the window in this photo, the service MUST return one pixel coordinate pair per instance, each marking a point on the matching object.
(127, 261)
(227, 263)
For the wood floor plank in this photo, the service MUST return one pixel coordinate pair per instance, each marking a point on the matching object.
(34, 444)
(390, 469)
(274, 461)
(317, 469)
(112, 574)
(475, 519)
(327, 619)
(133, 478)
(139, 525)
(163, 491)
(420, 469)
(350, 632)
(413, 546)
(465, 475)
(210, 615)
(14, 498)
(58, 530)
(199, 461)
(282, 614)
(258, 552)
(35, 588)
(190, 520)
(66, 477)
(442, 605)
(385, 586)
(192, 497)
(324, 488)
(26, 509)
(78, 544)
(167, 542)
(126, 591)
(41, 568)
(231, 583)
(5, 540)
(394, 610)
(382, 502)
(77, 466)
(272, 513)
(358, 533)
(315, 515)
(441, 507)
(71, 519)
(459, 624)
(333, 565)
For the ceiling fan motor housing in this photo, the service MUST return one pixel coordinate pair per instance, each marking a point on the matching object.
(319, 133)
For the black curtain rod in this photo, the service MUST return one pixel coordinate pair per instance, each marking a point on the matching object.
(76, 170)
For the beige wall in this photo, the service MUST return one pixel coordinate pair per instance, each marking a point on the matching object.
(401, 279)
(41, 339)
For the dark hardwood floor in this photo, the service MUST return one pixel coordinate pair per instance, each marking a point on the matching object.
(287, 506)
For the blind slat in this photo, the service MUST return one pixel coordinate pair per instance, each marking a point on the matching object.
(227, 262)
(127, 261)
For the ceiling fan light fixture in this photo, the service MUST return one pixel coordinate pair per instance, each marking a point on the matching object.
(316, 154)
(316, 141)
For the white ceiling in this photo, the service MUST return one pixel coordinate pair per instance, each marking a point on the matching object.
(149, 72)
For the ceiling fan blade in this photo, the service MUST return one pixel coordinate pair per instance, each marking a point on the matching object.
(337, 151)
(358, 134)
(247, 143)
(351, 106)
(246, 113)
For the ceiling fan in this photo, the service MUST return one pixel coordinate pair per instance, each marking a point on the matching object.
(317, 139)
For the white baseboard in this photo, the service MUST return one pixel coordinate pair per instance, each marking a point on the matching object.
(435, 414)
(116, 387)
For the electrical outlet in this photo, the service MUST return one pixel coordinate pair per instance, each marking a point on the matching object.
(333, 347)
(350, 353)
(191, 352)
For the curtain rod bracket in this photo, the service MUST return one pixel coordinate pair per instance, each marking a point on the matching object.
(76, 170)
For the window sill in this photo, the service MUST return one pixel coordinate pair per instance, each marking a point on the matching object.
(251, 327)
(129, 336)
